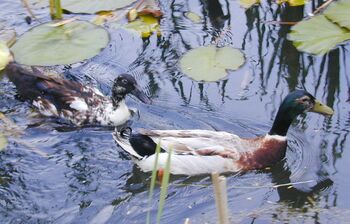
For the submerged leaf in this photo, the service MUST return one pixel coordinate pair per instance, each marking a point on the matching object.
(211, 63)
(145, 25)
(66, 44)
(193, 17)
(94, 6)
(317, 35)
(339, 12)
(3, 142)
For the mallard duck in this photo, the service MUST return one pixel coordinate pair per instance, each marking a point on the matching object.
(72, 101)
(202, 151)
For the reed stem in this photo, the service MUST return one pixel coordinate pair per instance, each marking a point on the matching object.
(220, 197)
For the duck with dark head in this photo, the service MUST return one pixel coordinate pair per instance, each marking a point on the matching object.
(72, 101)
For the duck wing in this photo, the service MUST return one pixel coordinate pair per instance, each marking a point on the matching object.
(201, 142)
(49, 91)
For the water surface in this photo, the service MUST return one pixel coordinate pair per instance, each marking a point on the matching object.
(86, 178)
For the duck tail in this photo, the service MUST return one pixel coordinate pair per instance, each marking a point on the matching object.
(25, 80)
(137, 145)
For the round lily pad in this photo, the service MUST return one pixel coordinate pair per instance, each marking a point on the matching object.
(58, 45)
(94, 6)
(211, 63)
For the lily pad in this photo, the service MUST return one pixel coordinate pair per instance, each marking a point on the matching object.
(339, 12)
(58, 45)
(94, 6)
(211, 63)
(5, 55)
(317, 35)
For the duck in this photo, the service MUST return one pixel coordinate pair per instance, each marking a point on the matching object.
(74, 102)
(198, 152)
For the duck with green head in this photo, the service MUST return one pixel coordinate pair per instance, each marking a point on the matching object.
(202, 151)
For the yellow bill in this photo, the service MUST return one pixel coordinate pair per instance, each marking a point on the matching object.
(321, 108)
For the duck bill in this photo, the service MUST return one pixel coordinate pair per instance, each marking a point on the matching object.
(321, 108)
(141, 95)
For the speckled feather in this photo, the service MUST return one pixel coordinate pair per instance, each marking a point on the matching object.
(69, 100)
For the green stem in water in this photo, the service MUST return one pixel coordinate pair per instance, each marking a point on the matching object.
(52, 8)
(58, 14)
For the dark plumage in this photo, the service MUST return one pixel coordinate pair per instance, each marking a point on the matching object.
(73, 101)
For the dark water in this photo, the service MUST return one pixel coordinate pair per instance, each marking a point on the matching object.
(85, 178)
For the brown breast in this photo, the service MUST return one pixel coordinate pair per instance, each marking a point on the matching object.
(270, 151)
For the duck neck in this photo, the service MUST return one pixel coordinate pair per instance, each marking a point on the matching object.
(116, 100)
(282, 122)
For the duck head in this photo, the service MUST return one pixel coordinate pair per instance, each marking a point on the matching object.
(126, 84)
(295, 103)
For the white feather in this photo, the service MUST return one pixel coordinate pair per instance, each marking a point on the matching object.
(189, 164)
(79, 104)
(118, 116)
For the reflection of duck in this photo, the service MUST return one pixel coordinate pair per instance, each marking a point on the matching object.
(203, 151)
(73, 101)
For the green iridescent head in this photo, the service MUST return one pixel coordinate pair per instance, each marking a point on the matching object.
(295, 103)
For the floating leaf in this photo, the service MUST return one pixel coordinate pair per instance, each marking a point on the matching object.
(94, 6)
(146, 25)
(339, 12)
(317, 35)
(5, 55)
(193, 17)
(248, 3)
(3, 142)
(66, 44)
(292, 2)
(211, 63)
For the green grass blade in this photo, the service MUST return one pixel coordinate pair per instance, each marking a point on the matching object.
(153, 183)
(164, 187)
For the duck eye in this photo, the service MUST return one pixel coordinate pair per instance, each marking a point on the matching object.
(124, 81)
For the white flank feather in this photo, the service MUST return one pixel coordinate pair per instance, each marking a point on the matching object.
(79, 104)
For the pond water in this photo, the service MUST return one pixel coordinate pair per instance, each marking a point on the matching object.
(85, 177)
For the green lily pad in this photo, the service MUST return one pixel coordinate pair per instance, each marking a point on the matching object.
(59, 45)
(339, 12)
(317, 35)
(93, 6)
(211, 63)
